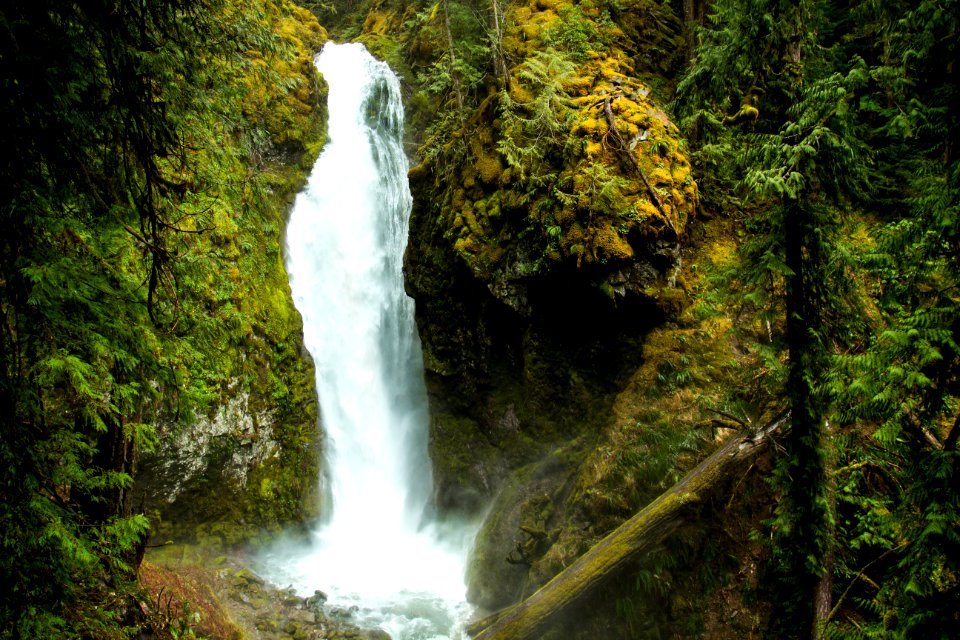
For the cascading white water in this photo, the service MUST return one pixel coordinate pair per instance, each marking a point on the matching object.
(345, 244)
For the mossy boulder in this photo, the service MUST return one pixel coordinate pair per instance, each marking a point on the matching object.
(570, 163)
(521, 526)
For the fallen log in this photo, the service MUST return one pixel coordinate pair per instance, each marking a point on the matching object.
(638, 535)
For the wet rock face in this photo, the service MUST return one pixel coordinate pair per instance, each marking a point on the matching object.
(522, 524)
(229, 444)
(514, 377)
(246, 467)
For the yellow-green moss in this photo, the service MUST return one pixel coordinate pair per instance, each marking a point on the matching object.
(258, 363)
(490, 168)
(587, 204)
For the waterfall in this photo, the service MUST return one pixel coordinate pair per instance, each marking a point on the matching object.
(375, 549)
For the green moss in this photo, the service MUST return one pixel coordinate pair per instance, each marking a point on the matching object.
(542, 170)
(528, 211)
(256, 350)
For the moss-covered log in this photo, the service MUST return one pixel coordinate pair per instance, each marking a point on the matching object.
(638, 535)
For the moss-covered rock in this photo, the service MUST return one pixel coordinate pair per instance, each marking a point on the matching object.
(521, 527)
(246, 462)
(509, 384)
(542, 252)
(570, 163)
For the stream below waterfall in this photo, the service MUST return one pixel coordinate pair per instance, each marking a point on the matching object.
(378, 554)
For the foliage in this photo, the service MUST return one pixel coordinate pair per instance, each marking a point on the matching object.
(830, 156)
(577, 35)
(534, 131)
(905, 381)
(127, 164)
(823, 134)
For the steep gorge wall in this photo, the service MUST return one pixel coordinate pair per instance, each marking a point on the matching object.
(248, 462)
(556, 262)
(542, 249)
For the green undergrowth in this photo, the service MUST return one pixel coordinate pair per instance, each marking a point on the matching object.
(704, 377)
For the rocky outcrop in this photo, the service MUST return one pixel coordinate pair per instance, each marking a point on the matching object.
(545, 245)
(244, 468)
(244, 454)
(231, 443)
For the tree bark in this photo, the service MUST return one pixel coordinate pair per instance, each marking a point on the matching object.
(638, 535)
(454, 76)
(823, 596)
(499, 61)
(689, 19)
(805, 493)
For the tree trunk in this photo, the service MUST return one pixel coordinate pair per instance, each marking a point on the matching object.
(804, 536)
(454, 76)
(689, 20)
(499, 61)
(823, 596)
(950, 444)
(636, 536)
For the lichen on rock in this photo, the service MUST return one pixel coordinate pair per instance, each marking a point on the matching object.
(188, 452)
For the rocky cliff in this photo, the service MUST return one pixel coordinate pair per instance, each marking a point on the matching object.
(249, 461)
(556, 262)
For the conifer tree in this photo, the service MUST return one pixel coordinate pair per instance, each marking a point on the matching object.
(907, 381)
(95, 99)
(801, 162)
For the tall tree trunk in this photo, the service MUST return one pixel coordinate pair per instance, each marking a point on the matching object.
(823, 595)
(454, 76)
(950, 444)
(499, 60)
(689, 20)
(802, 542)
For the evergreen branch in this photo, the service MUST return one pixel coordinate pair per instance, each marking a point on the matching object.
(142, 239)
